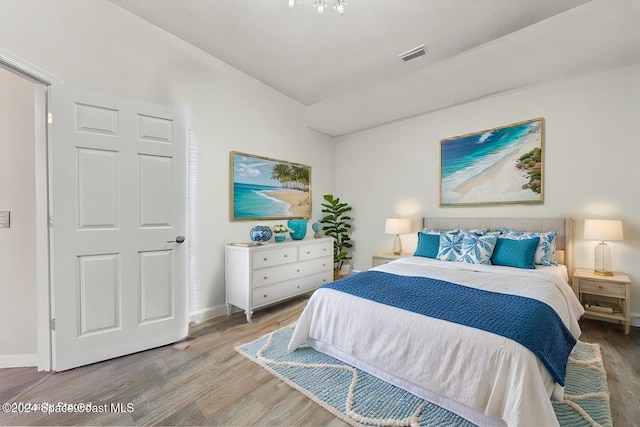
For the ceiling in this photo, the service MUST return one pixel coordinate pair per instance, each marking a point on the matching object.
(346, 69)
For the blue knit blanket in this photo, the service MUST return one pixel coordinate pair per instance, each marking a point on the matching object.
(527, 321)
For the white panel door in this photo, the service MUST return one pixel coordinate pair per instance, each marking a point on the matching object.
(118, 204)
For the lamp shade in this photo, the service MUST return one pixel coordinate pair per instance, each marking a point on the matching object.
(603, 229)
(397, 226)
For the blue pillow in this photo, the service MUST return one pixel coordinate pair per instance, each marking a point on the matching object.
(515, 253)
(546, 251)
(428, 244)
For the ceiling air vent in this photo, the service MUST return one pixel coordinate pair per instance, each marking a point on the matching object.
(412, 54)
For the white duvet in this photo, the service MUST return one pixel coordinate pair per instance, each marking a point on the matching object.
(486, 378)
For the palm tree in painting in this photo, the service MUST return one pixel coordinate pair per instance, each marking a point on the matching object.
(280, 172)
(291, 176)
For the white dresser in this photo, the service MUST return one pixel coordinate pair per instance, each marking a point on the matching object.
(256, 276)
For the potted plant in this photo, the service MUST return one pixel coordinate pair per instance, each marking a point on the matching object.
(279, 230)
(336, 224)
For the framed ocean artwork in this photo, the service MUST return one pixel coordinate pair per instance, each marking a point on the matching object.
(499, 165)
(265, 188)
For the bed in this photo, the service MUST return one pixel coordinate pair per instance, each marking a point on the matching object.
(488, 342)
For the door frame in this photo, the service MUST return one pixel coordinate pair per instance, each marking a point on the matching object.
(42, 81)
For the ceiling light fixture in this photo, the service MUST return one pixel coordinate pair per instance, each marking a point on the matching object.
(320, 5)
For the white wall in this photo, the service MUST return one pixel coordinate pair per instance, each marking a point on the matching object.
(18, 345)
(100, 46)
(591, 164)
(591, 123)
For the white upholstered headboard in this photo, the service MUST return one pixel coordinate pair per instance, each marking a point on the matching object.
(563, 226)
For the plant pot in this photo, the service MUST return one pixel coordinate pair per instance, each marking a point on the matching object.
(280, 237)
(336, 274)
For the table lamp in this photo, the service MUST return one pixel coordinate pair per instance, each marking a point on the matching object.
(602, 229)
(397, 226)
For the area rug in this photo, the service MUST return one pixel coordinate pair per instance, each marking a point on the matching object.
(359, 398)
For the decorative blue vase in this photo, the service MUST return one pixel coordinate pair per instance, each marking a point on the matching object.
(316, 228)
(298, 227)
(280, 237)
(260, 233)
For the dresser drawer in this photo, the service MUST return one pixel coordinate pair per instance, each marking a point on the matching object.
(279, 291)
(599, 288)
(267, 276)
(273, 257)
(315, 251)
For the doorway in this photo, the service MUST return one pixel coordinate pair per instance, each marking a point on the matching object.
(150, 302)
(23, 197)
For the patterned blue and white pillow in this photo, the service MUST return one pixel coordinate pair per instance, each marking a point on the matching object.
(467, 247)
(546, 250)
(450, 248)
(428, 230)
(478, 231)
(478, 249)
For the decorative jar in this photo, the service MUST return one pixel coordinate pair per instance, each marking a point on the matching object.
(260, 233)
(298, 228)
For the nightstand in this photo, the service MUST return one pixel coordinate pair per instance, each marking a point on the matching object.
(611, 289)
(385, 257)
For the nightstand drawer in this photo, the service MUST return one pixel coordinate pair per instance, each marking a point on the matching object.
(600, 288)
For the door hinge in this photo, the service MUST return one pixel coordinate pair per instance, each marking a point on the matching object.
(50, 118)
(50, 220)
(53, 324)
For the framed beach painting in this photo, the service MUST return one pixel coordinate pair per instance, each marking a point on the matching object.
(265, 188)
(499, 165)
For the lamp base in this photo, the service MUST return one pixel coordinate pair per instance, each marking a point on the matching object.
(602, 260)
(603, 273)
(397, 245)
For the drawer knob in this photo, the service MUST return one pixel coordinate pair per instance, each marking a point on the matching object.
(265, 258)
(265, 295)
(599, 286)
(265, 277)
(297, 270)
(308, 252)
(298, 286)
(286, 255)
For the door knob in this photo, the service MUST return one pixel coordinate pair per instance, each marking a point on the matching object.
(179, 239)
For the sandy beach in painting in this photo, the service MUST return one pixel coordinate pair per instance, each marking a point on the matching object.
(298, 200)
(502, 182)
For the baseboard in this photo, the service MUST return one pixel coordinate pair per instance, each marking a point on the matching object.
(18, 360)
(207, 314)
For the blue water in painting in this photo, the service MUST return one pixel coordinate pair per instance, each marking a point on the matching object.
(250, 202)
(467, 157)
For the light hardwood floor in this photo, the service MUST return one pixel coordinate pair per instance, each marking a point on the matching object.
(208, 383)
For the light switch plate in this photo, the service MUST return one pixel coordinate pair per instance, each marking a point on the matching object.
(5, 219)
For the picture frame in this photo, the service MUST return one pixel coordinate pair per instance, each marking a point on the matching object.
(265, 188)
(500, 165)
